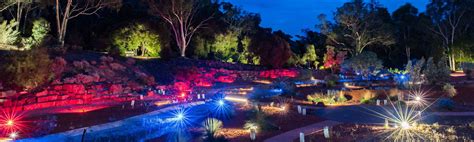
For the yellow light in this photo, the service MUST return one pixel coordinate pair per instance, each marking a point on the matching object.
(236, 99)
(405, 125)
(9, 123)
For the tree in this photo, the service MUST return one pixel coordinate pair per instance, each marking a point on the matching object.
(358, 27)
(405, 19)
(437, 72)
(448, 19)
(364, 63)
(225, 46)
(310, 58)
(66, 10)
(139, 39)
(182, 18)
(273, 50)
(333, 60)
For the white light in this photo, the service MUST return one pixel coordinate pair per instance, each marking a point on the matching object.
(221, 102)
(405, 125)
(13, 135)
(417, 98)
(179, 116)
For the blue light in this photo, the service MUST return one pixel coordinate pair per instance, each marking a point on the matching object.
(180, 116)
(221, 102)
(402, 76)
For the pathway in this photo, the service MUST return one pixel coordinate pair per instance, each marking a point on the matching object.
(294, 134)
(116, 130)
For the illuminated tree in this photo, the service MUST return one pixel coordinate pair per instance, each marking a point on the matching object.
(225, 46)
(449, 17)
(66, 10)
(333, 60)
(181, 15)
(247, 56)
(310, 58)
(139, 39)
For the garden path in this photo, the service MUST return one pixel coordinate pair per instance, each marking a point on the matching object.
(294, 134)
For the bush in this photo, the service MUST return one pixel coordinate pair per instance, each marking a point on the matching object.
(437, 73)
(331, 80)
(365, 63)
(212, 127)
(9, 35)
(137, 38)
(39, 32)
(28, 69)
(445, 103)
(450, 90)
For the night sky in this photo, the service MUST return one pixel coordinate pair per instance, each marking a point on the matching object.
(291, 16)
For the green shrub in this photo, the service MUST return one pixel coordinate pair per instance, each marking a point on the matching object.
(137, 38)
(9, 35)
(365, 63)
(331, 80)
(39, 31)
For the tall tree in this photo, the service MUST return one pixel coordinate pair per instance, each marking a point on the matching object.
(448, 19)
(358, 27)
(183, 17)
(405, 19)
(66, 10)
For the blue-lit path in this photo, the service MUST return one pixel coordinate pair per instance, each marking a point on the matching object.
(137, 128)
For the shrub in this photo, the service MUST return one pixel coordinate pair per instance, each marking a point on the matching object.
(137, 38)
(9, 35)
(450, 90)
(287, 87)
(29, 69)
(365, 63)
(39, 31)
(445, 103)
(211, 128)
(331, 80)
(437, 73)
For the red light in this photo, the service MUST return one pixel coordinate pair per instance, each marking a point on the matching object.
(183, 94)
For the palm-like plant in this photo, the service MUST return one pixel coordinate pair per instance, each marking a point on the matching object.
(212, 126)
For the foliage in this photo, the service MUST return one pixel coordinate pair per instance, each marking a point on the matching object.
(327, 98)
(445, 103)
(225, 46)
(436, 73)
(273, 50)
(449, 89)
(212, 127)
(39, 32)
(331, 80)
(364, 63)
(287, 87)
(310, 58)
(9, 34)
(333, 60)
(259, 120)
(248, 57)
(358, 26)
(415, 72)
(28, 69)
(138, 38)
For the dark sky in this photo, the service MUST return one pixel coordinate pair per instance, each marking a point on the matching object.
(291, 16)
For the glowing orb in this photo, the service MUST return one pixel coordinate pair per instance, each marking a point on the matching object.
(9, 123)
(13, 135)
(180, 116)
(417, 98)
(405, 125)
(221, 102)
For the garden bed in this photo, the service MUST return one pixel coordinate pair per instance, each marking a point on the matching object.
(369, 133)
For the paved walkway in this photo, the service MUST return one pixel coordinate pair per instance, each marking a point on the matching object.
(294, 134)
(453, 113)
